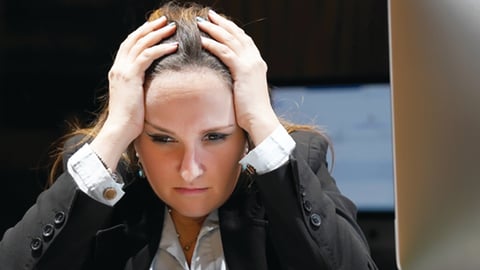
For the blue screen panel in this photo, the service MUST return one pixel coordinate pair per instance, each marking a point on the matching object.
(358, 121)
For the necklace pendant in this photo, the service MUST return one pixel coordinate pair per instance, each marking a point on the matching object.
(186, 247)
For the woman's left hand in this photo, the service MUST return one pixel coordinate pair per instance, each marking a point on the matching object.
(239, 53)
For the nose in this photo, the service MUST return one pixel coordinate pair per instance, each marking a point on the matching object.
(190, 168)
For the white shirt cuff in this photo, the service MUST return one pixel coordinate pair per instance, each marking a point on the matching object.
(93, 178)
(271, 153)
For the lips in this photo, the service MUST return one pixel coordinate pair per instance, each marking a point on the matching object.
(190, 191)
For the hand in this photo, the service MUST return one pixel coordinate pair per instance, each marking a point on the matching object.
(126, 94)
(238, 52)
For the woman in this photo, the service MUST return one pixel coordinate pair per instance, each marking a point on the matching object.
(188, 167)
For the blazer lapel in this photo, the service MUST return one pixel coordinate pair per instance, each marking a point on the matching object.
(148, 229)
(143, 259)
(243, 230)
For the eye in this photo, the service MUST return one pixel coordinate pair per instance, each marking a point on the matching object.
(161, 138)
(215, 136)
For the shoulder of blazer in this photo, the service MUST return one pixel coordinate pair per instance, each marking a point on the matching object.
(311, 146)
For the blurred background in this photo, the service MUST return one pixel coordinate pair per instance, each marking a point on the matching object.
(328, 65)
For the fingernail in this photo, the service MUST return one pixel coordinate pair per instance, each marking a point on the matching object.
(211, 11)
(200, 19)
(171, 24)
(158, 19)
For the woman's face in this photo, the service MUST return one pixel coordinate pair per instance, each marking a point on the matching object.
(191, 143)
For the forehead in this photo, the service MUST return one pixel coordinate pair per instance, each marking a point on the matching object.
(189, 100)
(186, 83)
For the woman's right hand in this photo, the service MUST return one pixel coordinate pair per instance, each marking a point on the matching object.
(126, 94)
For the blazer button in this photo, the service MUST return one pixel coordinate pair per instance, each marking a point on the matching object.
(48, 232)
(302, 191)
(307, 206)
(36, 246)
(59, 219)
(316, 220)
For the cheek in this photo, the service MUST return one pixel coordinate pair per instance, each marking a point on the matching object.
(158, 170)
(228, 162)
(157, 166)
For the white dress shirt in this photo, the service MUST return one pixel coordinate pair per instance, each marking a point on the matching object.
(208, 252)
(94, 179)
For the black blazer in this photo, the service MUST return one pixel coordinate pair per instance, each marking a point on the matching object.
(291, 218)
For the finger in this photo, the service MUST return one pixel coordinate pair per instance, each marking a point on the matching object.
(220, 34)
(225, 23)
(151, 39)
(223, 52)
(140, 32)
(146, 58)
(142, 62)
(237, 40)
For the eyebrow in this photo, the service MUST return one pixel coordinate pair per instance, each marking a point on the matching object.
(161, 129)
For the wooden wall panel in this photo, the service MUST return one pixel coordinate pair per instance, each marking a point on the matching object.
(316, 41)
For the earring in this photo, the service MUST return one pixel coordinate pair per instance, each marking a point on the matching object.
(140, 172)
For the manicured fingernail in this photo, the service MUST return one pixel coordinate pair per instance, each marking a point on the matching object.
(200, 19)
(158, 19)
(211, 11)
(171, 24)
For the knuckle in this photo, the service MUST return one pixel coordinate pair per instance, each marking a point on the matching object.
(131, 35)
(256, 65)
(140, 43)
(229, 39)
(241, 31)
(147, 53)
(117, 74)
(112, 73)
(263, 64)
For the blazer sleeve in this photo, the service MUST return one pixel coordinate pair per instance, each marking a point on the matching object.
(57, 232)
(311, 224)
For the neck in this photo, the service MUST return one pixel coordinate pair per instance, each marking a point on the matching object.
(187, 229)
(186, 222)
